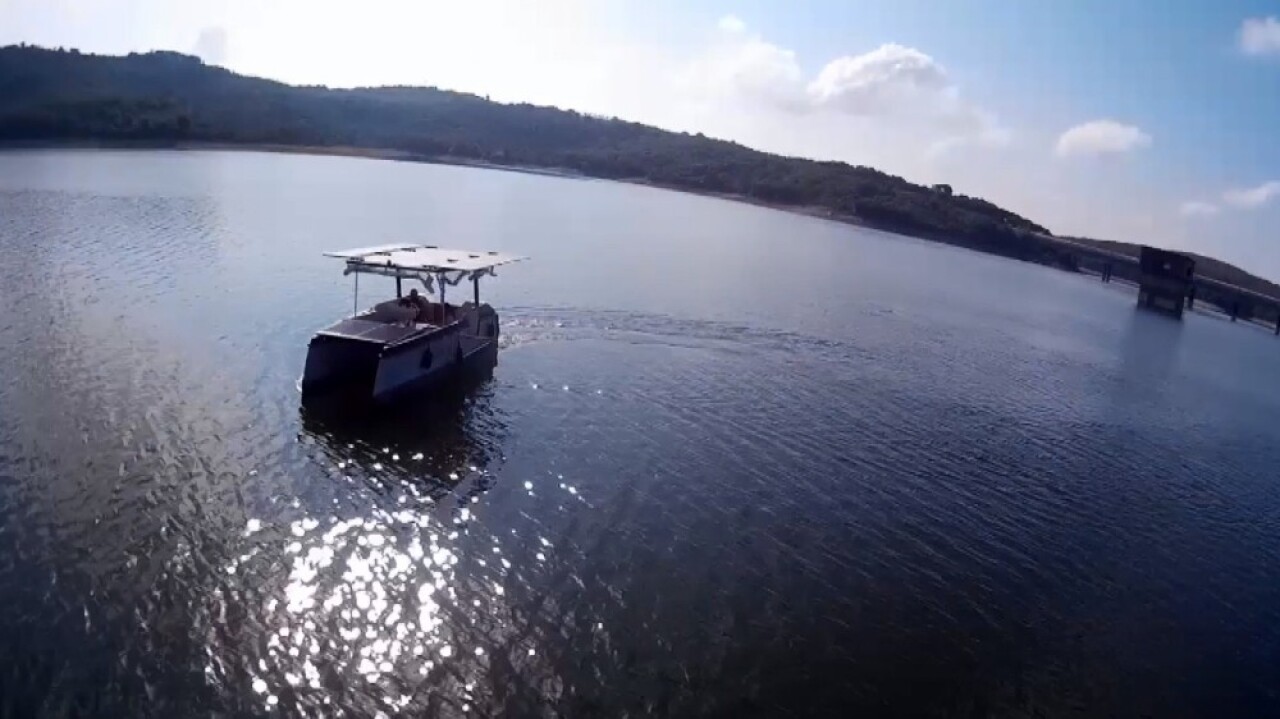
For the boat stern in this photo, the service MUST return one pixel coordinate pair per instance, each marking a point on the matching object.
(339, 363)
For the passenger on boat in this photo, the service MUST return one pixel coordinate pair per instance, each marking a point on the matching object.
(419, 304)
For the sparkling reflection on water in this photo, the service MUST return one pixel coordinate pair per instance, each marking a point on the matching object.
(401, 608)
(692, 487)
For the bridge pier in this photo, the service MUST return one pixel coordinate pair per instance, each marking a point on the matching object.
(1235, 310)
(1164, 281)
(1106, 272)
(1191, 297)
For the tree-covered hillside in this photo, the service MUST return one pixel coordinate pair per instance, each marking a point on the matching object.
(50, 96)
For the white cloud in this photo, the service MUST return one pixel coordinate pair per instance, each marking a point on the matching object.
(1101, 137)
(211, 45)
(1197, 208)
(1260, 36)
(742, 66)
(878, 81)
(908, 86)
(1250, 197)
(1245, 198)
(891, 86)
(732, 24)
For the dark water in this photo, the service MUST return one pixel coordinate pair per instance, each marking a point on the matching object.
(733, 462)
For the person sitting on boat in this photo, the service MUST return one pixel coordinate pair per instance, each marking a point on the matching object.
(418, 303)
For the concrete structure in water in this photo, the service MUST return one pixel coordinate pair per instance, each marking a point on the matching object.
(1234, 301)
(1165, 281)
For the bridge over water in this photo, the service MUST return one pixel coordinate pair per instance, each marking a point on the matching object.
(1237, 303)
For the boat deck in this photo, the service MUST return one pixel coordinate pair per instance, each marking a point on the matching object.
(375, 332)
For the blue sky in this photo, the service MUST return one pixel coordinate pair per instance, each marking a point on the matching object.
(1173, 68)
(1174, 105)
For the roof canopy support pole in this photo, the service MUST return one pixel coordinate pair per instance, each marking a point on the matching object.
(355, 299)
(475, 285)
(399, 294)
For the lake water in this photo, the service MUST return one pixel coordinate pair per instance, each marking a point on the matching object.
(732, 462)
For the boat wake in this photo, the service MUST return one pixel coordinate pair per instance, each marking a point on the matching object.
(526, 326)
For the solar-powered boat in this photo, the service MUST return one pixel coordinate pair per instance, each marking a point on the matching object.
(415, 342)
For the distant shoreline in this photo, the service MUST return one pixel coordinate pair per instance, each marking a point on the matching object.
(406, 156)
(166, 100)
(818, 212)
(823, 213)
(332, 150)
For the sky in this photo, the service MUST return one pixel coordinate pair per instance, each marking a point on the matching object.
(1120, 119)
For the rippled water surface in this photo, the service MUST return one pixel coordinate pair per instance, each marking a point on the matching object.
(732, 462)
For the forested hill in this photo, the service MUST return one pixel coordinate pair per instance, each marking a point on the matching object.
(50, 96)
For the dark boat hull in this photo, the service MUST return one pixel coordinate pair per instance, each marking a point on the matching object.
(360, 370)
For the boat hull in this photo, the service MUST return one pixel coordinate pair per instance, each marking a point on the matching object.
(440, 366)
(358, 370)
